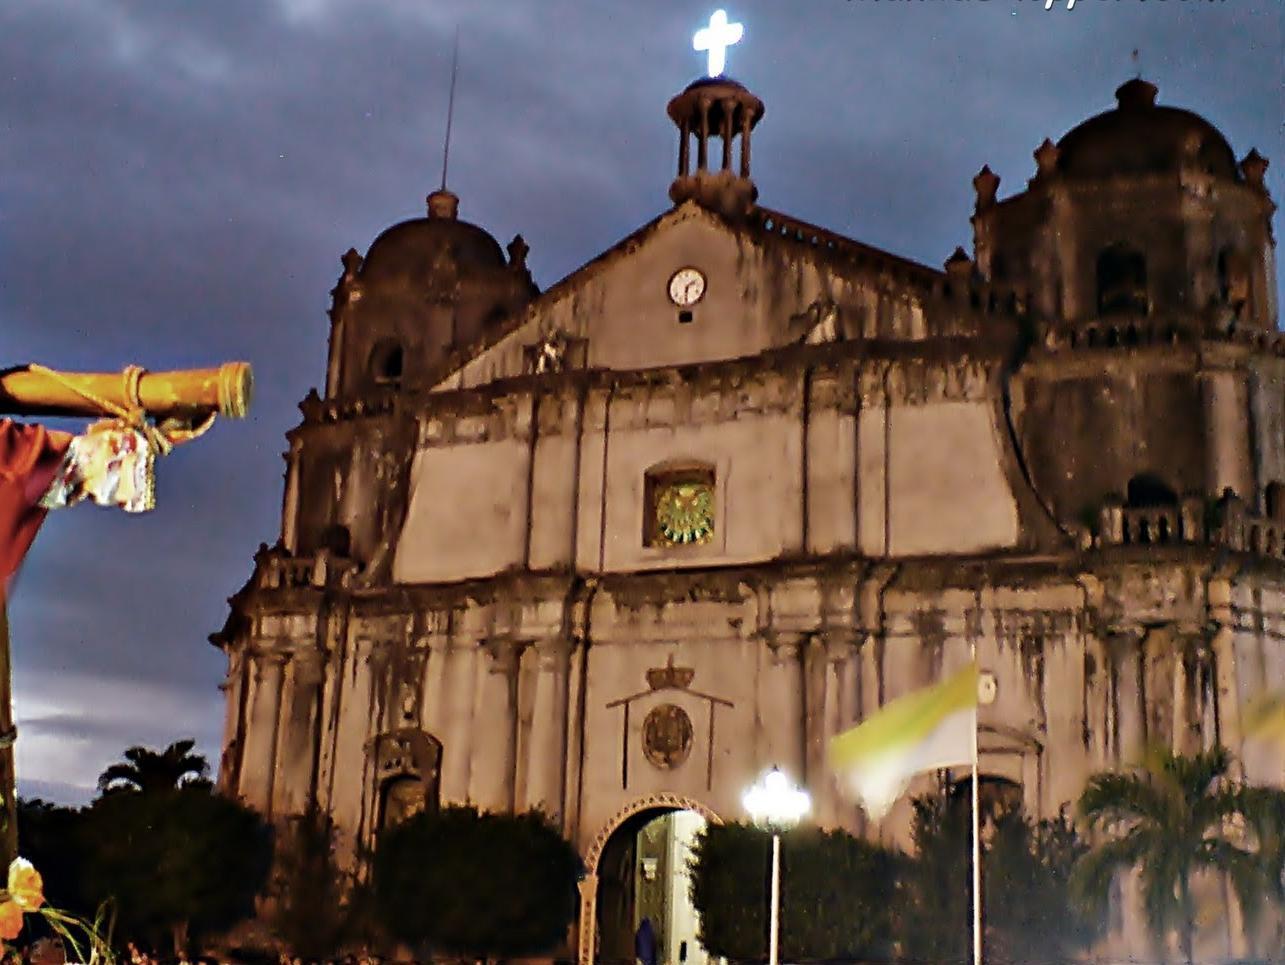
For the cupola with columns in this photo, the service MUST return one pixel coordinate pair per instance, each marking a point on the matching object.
(715, 107)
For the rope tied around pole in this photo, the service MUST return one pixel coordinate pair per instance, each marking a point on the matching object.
(160, 438)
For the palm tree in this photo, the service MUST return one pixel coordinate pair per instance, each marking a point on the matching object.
(1177, 815)
(149, 772)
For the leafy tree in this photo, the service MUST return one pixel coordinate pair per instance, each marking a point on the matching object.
(48, 837)
(1026, 898)
(176, 863)
(1175, 816)
(1026, 891)
(466, 883)
(149, 771)
(935, 904)
(836, 893)
(319, 907)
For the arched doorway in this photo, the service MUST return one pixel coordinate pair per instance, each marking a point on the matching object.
(636, 869)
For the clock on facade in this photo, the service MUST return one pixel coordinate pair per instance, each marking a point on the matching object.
(686, 286)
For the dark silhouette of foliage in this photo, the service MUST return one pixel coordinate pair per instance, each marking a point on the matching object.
(48, 838)
(319, 908)
(1173, 817)
(836, 893)
(150, 771)
(1026, 899)
(1029, 914)
(935, 906)
(460, 882)
(176, 862)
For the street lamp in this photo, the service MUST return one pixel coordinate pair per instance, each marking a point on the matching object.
(776, 805)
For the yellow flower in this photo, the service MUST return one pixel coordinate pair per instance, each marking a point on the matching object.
(10, 920)
(26, 887)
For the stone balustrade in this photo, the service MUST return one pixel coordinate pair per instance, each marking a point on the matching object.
(1228, 523)
(275, 569)
(1246, 532)
(1141, 331)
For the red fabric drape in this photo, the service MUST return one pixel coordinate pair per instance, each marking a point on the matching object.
(29, 458)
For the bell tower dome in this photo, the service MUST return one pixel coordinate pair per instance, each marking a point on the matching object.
(715, 108)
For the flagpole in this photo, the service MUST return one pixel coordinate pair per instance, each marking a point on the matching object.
(977, 845)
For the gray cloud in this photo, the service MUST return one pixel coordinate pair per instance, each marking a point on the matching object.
(177, 182)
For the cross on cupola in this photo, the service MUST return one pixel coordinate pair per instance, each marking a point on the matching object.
(715, 39)
(715, 108)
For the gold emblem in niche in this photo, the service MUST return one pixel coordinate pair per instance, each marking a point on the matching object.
(684, 512)
(667, 736)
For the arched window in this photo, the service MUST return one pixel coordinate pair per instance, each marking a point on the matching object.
(408, 767)
(401, 798)
(1122, 282)
(336, 539)
(386, 362)
(1274, 499)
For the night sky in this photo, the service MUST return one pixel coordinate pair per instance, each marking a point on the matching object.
(178, 181)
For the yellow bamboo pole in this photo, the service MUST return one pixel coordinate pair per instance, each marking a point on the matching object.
(183, 393)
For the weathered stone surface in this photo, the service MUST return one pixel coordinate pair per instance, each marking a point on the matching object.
(908, 467)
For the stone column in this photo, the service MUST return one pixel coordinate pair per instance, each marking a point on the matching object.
(702, 146)
(458, 735)
(258, 762)
(1097, 712)
(837, 713)
(495, 724)
(234, 734)
(728, 107)
(432, 712)
(815, 671)
(297, 743)
(781, 703)
(745, 143)
(573, 748)
(1227, 443)
(586, 950)
(290, 501)
(546, 768)
(1129, 709)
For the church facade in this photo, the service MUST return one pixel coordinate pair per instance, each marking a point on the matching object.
(610, 549)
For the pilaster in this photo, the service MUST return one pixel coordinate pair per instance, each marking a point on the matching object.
(546, 768)
(259, 763)
(491, 784)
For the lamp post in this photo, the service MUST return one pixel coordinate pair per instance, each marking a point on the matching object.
(777, 805)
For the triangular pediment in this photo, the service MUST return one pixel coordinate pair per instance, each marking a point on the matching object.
(692, 286)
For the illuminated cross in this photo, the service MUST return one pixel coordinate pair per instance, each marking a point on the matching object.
(716, 38)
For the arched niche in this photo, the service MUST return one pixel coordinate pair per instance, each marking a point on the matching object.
(1122, 281)
(407, 765)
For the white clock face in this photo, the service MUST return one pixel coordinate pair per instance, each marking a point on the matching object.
(686, 287)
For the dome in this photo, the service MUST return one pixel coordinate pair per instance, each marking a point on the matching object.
(416, 246)
(714, 91)
(1139, 137)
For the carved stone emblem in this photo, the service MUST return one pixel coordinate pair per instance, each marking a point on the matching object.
(667, 736)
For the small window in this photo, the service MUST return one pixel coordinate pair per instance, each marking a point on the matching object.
(386, 362)
(679, 508)
(685, 316)
(1122, 282)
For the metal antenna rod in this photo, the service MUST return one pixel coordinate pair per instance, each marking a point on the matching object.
(450, 106)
